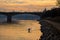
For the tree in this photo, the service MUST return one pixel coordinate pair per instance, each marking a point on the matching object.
(58, 3)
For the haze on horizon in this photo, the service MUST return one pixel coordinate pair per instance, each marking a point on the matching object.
(26, 5)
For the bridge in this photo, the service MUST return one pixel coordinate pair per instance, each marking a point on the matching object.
(10, 14)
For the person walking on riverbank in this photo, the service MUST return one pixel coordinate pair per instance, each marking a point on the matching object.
(29, 30)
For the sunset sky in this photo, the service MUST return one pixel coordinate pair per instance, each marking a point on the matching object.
(26, 5)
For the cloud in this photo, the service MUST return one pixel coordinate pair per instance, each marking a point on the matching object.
(42, 0)
(12, 1)
(37, 0)
(25, 5)
(2, 9)
(20, 2)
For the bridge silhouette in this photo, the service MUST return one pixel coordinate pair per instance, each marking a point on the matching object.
(45, 14)
(10, 14)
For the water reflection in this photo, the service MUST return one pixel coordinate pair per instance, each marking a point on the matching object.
(20, 17)
(20, 31)
(2, 18)
(26, 17)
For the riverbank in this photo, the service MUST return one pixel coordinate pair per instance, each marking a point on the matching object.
(50, 32)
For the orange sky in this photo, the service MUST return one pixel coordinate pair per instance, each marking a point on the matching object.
(28, 2)
(10, 5)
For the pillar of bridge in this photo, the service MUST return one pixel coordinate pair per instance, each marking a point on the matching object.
(9, 18)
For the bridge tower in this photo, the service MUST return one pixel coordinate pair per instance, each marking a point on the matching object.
(9, 18)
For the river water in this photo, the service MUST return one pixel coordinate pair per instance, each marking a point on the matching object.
(19, 31)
